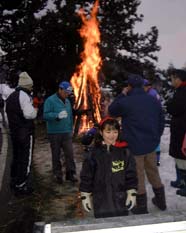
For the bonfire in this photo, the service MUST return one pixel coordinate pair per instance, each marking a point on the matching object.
(85, 80)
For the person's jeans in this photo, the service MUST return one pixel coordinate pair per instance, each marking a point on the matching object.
(58, 142)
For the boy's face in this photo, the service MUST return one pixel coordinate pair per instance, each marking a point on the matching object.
(110, 135)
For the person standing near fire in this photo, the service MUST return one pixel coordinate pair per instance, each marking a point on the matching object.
(58, 115)
(142, 127)
(108, 174)
(21, 115)
(176, 107)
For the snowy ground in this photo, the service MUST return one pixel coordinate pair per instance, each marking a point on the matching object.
(61, 202)
(167, 173)
(65, 204)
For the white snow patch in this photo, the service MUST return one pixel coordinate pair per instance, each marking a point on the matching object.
(50, 7)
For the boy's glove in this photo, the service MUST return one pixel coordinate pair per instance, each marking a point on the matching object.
(86, 201)
(131, 199)
(62, 114)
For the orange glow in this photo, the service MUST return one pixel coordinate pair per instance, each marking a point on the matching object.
(85, 79)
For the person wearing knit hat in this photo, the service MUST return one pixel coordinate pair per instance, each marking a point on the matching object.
(21, 115)
(25, 81)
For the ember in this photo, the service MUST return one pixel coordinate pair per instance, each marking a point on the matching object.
(85, 79)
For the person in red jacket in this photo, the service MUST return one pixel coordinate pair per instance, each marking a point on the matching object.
(108, 175)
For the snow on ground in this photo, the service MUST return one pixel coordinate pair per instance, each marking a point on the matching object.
(167, 173)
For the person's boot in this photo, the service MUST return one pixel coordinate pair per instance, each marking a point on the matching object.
(141, 204)
(70, 177)
(159, 199)
(182, 191)
(179, 182)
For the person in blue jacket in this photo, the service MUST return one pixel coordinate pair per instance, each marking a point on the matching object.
(142, 127)
(59, 119)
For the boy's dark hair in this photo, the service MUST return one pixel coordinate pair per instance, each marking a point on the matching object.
(107, 121)
(178, 73)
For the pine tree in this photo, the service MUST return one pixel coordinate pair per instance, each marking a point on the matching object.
(118, 19)
(45, 45)
(49, 46)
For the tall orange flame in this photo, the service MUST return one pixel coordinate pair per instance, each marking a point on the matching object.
(85, 79)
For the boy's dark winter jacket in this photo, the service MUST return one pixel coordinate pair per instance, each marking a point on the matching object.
(177, 108)
(107, 175)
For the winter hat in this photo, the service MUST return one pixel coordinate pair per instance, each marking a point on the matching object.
(135, 80)
(146, 82)
(66, 86)
(25, 81)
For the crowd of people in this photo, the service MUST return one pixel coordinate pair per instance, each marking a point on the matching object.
(125, 145)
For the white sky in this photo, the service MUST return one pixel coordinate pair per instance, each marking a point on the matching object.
(169, 16)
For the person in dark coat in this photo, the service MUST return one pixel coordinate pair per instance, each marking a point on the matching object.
(142, 127)
(176, 107)
(21, 115)
(108, 174)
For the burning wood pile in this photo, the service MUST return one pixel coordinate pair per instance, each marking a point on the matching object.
(85, 80)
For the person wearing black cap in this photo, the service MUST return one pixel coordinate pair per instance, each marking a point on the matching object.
(58, 115)
(142, 127)
(21, 115)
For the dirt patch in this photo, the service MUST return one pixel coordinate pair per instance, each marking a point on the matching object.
(50, 201)
(59, 202)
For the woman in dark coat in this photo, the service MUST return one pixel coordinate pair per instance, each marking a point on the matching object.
(176, 107)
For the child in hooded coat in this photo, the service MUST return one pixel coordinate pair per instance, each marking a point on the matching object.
(108, 176)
